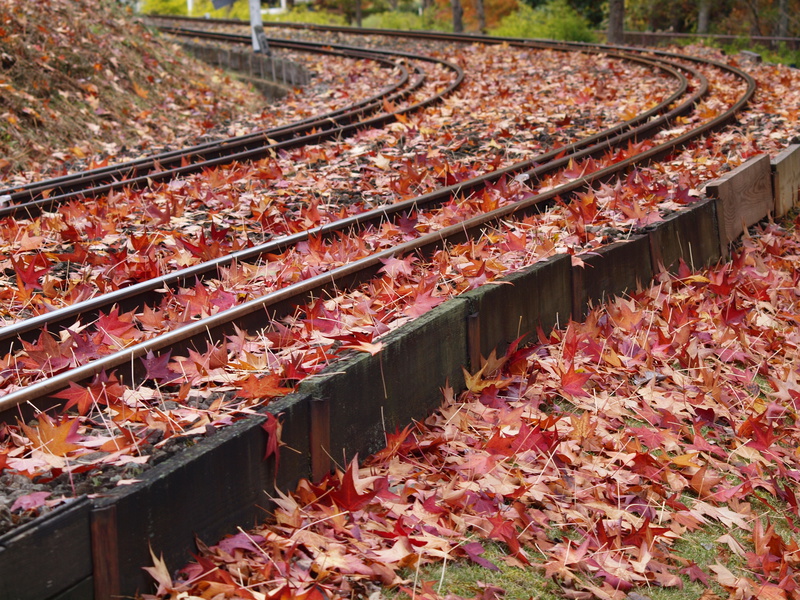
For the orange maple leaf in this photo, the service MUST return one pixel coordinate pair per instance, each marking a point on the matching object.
(53, 438)
(264, 387)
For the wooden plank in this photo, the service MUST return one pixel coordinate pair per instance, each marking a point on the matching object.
(83, 590)
(207, 489)
(369, 395)
(51, 554)
(744, 197)
(690, 235)
(320, 438)
(105, 550)
(610, 271)
(537, 296)
(786, 179)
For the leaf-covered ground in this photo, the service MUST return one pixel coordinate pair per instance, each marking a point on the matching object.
(94, 246)
(586, 456)
(107, 89)
(593, 455)
(589, 455)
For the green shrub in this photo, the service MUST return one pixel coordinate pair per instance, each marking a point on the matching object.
(393, 20)
(303, 15)
(555, 20)
(405, 20)
(239, 10)
(164, 7)
(783, 54)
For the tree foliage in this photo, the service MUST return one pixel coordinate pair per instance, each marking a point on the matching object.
(406, 20)
(304, 15)
(238, 10)
(554, 20)
(731, 17)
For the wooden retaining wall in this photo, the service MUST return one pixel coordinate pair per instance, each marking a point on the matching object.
(96, 548)
(271, 75)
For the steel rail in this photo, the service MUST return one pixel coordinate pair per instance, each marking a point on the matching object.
(36, 207)
(252, 314)
(214, 149)
(170, 165)
(249, 314)
(468, 38)
(136, 295)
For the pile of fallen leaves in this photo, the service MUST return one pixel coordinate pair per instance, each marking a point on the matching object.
(72, 86)
(589, 454)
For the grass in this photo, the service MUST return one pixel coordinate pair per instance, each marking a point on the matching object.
(463, 578)
(467, 579)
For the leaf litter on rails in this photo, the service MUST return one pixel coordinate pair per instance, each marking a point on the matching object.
(115, 271)
(203, 368)
(255, 202)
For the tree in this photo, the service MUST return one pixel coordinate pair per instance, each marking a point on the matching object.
(458, 16)
(783, 18)
(703, 14)
(480, 9)
(616, 19)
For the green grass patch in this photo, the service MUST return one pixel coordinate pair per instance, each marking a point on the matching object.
(467, 579)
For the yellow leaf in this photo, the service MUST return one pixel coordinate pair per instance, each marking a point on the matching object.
(140, 91)
(52, 438)
(381, 162)
(581, 427)
(684, 460)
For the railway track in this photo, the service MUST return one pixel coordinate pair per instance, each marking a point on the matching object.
(348, 255)
(278, 303)
(30, 200)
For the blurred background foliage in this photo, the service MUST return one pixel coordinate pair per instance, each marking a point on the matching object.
(576, 20)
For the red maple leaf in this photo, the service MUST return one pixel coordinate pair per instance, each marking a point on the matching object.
(504, 531)
(30, 271)
(695, 573)
(117, 327)
(761, 437)
(652, 437)
(273, 428)
(157, 367)
(77, 396)
(395, 267)
(48, 354)
(346, 497)
(474, 550)
(422, 303)
(572, 382)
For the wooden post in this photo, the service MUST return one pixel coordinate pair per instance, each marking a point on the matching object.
(786, 179)
(744, 197)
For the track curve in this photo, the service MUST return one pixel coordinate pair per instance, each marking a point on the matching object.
(248, 315)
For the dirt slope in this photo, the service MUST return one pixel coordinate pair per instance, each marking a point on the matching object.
(83, 77)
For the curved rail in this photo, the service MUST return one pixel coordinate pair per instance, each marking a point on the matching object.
(139, 294)
(167, 166)
(250, 313)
